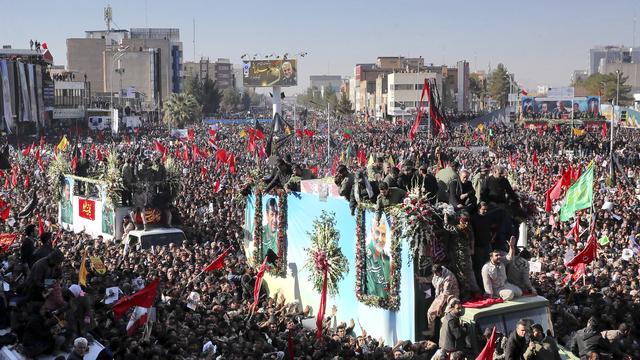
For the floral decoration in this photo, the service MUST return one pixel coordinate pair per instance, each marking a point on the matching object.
(325, 254)
(392, 301)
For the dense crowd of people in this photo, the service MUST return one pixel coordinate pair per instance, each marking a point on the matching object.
(482, 174)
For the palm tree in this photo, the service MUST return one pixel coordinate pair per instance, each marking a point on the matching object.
(181, 109)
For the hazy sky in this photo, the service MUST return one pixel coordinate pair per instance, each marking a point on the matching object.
(541, 41)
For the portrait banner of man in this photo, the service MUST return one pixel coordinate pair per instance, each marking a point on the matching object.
(377, 261)
(66, 205)
(270, 232)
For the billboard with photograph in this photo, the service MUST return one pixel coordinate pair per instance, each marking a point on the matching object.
(263, 73)
(554, 108)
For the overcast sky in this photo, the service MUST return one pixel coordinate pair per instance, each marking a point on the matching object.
(541, 41)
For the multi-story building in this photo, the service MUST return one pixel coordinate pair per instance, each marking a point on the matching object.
(26, 90)
(224, 73)
(601, 56)
(368, 90)
(149, 60)
(322, 82)
(71, 95)
(220, 71)
(404, 90)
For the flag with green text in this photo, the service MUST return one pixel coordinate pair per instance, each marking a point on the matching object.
(579, 196)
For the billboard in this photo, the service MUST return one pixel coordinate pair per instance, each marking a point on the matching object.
(262, 73)
(554, 108)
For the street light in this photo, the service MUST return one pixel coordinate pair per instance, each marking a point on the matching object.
(119, 54)
(611, 166)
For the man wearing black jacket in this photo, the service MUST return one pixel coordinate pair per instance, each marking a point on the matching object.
(588, 340)
(517, 343)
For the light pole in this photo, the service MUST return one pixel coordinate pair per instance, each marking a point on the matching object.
(119, 54)
(611, 166)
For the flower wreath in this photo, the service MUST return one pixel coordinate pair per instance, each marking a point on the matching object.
(392, 301)
(280, 268)
(325, 253)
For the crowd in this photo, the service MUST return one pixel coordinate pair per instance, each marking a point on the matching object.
(47, 311)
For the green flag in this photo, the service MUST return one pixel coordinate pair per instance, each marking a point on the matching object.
(604, 240)
(579, 196)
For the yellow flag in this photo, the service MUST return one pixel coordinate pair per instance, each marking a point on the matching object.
(578, 132)
(82, 274)
(481, 127)
(342, 156)
(287, 130)
(98, 265)
(371, 161)
(243, 133)
(391, 162)
(63, 143)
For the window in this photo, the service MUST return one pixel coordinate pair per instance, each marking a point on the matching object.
(403, 87)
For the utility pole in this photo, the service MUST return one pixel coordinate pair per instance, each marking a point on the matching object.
(611, 165)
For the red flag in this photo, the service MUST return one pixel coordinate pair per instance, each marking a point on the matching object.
(26, 181)
(6, 182)
(545, 169)
(27, 150)
(262, 153)
(552, 221)
(195, 151)
(83, 153)
(535, 158)
(191, 135)
(74, 163)
(524, 92)
(578, 272)
(323, 306)
(299, 133)
(203, 172)
(575, 230)
(314, 170)
(40, 165)
(489, 348)
(259, 276)
(159, 147)
(557, 127)
(346, 135)
(309, 133)
(14, 177)
(218, 263)
(6, 240)
(177, 154)
(334, 166)
(566, 176)
(587, 255)
(533, 184)
(221, 155)
(37, 155)
(604, 130)
(251, 145)
(216, 186)
(575, 174)
(232, 164)
(548, 205)
(212, 140)
(259, 134)
(212, 132)
(143, 298)
(416, 123)
(99, 155)
(185, 154)
(362, 158)
(40, 225)
(539, 128)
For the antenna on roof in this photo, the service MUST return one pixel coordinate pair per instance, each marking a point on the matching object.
(108, 15)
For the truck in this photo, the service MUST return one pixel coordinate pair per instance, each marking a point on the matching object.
(152, 238)
(505, 316)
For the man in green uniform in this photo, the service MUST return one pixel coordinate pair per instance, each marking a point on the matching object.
(270, 229)
(66, 207)
(388, 196)
(378, 262)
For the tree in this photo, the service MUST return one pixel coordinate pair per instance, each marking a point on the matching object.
(478, 89)
(499, 85)
(181, 109)
(246, 101)
(605, 86)
(205, 92)
(230, 100)
(329, 97)
(344, 105)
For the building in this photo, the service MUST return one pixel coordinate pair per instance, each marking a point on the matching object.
(404, 90)
(322, 82)
(224, 76)
(147, 59)
(579, 75)
(72, 96)
(601, 56)
(368, 89)
(26, 90)
(629, 70)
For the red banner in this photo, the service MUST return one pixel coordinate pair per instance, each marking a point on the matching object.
(87, 209)
(6, 240)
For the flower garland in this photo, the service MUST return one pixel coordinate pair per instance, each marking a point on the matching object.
(392, 301)
(325, 254)
(281, 264)
(280, 268)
